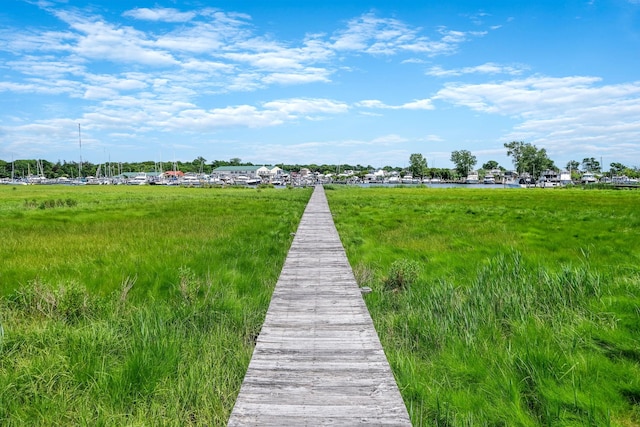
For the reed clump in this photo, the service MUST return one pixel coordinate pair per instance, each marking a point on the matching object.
(67, 352)
(50, 203)
(402, 274)
(68, 303)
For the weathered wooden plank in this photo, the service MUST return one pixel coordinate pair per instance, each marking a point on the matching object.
(318, 359)
(315, 414)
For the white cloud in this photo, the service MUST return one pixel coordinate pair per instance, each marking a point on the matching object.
(414, 61)
(206, 67)
(478, 18)
(387, 36)
(371, 103)
(391, 139)
(568, 114)
(44, 87)
(46, 66)
(432, 138)
(271, 114)
(383, 150)
(163, 115)
(210, 52)
(532, 95)
(96, 92)
(218, 33)
(273, 63)
(309, 75)
(275, 60)
(232, 116)
(130, 82)
(486, 68)
(419, 104)
(28, 40)
(99, 40)
(26, 138)
(160, 14)
(180, 76)
(298, 106)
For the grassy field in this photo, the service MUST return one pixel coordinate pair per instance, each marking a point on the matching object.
(134, 305)
(502, 307)
(122, 305)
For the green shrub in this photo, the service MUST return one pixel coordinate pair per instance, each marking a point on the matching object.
(189, 285)
(68, 303)
(50, 204)
(402, 274)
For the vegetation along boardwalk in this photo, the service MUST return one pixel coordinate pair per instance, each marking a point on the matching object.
(318, 359)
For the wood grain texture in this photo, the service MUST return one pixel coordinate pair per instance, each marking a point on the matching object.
(318, 359)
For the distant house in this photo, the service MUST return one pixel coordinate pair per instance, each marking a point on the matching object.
(173, 174)
(231, 172)
(263, 172)
(277, 172)
(266, 173)
(498, 174)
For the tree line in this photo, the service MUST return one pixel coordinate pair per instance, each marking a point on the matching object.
(526, 158)
(24, 168)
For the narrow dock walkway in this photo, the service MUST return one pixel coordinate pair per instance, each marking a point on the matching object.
(318, 359)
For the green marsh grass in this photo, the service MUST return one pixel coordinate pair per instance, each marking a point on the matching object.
(526, 308)
(134, 305)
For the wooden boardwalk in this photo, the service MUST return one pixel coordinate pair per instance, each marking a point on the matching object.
(318, 359)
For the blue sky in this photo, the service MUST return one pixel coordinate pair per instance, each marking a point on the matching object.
(280, 81)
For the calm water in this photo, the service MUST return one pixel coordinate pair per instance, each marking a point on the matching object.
(486, 186)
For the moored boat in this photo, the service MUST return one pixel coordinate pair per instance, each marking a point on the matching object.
(588, 178)
(139, 179)
(472, 178)
(489, 179)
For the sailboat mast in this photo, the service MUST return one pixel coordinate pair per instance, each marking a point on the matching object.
(80, 142)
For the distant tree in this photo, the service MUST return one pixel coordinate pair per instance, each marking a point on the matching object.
(573, 165)
(235, 161)
(417, 165)
(5, 169)
(528, 158)
(515, 149)
(632, 172)
(617, 168)
(361, 173)
(218, 163)
(490, 165)
(442, 173)
(464, 161)
(345, 167)
(590, 164)
(199, 163)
